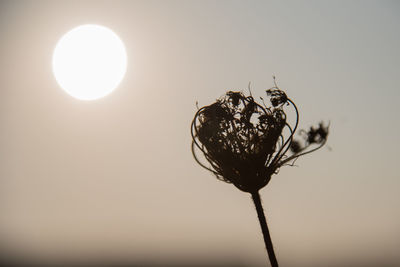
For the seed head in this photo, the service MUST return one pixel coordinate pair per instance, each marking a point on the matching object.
(245, 142)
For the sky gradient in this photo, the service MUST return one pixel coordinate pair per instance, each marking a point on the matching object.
(115, 179)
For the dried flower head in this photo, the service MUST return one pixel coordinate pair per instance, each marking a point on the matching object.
(245, 142)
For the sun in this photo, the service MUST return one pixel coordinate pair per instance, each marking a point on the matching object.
(89, 62)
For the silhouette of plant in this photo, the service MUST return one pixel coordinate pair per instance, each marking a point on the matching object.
(246, 142)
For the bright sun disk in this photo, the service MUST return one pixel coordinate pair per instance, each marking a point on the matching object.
(89, 62)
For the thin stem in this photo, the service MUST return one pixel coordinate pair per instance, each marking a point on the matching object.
(264, 228)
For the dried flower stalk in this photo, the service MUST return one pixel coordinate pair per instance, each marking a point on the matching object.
(245, 143)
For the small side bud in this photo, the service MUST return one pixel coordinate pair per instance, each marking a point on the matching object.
(277, 97)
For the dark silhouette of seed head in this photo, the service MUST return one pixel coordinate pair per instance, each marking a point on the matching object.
(244, 141)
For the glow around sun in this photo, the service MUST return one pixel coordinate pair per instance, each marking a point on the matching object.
(89, 62)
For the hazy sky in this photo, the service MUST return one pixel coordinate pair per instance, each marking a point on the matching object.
(115, 177)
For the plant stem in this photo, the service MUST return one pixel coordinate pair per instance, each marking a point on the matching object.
(264, 228)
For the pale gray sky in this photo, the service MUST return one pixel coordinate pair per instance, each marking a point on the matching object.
(115, 177)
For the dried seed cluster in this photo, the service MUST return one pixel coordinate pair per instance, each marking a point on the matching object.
(244, 141)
